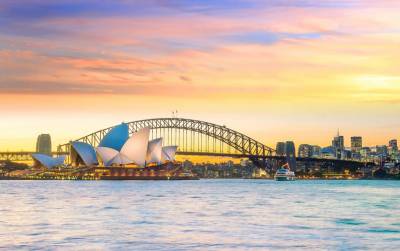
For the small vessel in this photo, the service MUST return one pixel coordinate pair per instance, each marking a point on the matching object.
(284, 174)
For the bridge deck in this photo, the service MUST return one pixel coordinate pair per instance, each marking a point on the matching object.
(26, 156)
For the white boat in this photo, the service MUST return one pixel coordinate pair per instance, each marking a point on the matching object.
(284, 174)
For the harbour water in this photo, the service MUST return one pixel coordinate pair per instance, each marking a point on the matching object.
(200, 215)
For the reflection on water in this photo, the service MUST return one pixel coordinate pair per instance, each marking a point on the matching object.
(200, 215)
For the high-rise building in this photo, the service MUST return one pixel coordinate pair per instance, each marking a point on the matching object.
(338, 145)
(290, 151)
(346, 154)
(393, 149)
(393, 144)
(338, 142)
(356, 155)
(382, 151)
(316, 151)
(43, 144)
(365, 153)
(280, 148)
(305, 151)
(356, 144)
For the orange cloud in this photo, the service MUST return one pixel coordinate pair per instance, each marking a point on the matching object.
(326, 68)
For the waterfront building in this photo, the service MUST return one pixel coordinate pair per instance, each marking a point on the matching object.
(393, 149)
(316, 151)
(338, 142)
(346, 154)
(154, 151)
(381, 151)
(107, 155)
(328, 152)
(356, 155)
(187, 164)
(43, 144)
(365, 153)
(110, 146)
(118, 149)
(47, 161)
(356, 144)
(244, 162)
(280, 149)
(83, 154)
(168, 153)
(135, 148)
(393, 144)
(305, 151)
(338, 145)
(290, 149)
(290, 152)
(116, 137)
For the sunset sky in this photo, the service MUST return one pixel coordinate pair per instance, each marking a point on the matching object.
(274, 70)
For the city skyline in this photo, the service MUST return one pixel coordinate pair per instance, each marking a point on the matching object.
(279, 71)
(353, 143)
(200, 124)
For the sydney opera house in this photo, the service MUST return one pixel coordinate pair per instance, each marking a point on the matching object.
(47, 161)
(116, 149)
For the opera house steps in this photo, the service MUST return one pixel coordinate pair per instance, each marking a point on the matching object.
(167, 171)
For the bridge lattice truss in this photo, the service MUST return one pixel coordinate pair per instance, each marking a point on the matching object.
(191, 137)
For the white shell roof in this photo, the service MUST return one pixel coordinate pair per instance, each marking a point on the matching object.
(168, 153)
(120, 159)
(86, 152)
(135, 148)
(116, 137)
(48, 161)
(106, 154)
(154, 150)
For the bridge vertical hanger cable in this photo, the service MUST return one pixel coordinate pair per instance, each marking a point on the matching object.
(175, 131)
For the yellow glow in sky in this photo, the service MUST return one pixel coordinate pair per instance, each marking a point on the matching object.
(250, 68)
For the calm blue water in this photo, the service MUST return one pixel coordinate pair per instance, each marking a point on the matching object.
(200, 215)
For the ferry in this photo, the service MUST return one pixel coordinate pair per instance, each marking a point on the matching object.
(284, 174)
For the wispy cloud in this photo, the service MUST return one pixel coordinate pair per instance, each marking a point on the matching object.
(264, 65)
(217, 45)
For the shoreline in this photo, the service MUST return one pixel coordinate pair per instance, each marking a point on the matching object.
(175, 178)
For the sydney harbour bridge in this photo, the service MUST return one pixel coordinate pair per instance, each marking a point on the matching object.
(194, 138)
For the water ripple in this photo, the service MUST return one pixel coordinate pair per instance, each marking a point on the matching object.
(200, 215)
(349, 222)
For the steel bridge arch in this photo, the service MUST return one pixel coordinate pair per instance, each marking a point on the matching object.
(238, 141)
